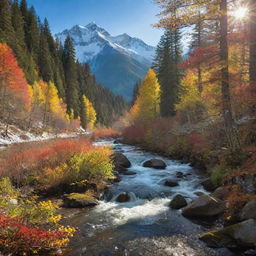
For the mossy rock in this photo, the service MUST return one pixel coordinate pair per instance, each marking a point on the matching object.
(79, 200)
(242, 234)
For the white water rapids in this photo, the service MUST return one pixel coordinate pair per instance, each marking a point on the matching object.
(145, 225)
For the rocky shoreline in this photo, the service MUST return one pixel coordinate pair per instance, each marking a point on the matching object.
(236, 235)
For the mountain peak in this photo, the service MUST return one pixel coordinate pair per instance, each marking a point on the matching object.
(111, 57)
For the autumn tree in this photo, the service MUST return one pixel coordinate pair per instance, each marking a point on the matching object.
(147, 104)
(88, 117)
(177, 14)
(14, 90)
(252, 45)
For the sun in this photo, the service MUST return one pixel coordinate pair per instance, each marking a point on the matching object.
(240, 13)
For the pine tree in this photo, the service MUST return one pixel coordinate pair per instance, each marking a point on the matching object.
(7, 33)
(32, 31)
(72, 92)
(166, 65)
(174, 15)
(44, 59)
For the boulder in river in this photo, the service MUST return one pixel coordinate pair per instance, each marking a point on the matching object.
(178, 202)
(155, 163)
(242, 234)
(121, 169)
(123, 197)
(248, 211)
(77, 200)
(180, 175)
(171, 183)
(204, 206)
(121, 160)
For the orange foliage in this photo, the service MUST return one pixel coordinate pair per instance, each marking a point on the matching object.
(30, 159)
(12, 77)
(105, 133)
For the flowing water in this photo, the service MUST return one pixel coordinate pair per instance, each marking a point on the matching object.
(145, 225)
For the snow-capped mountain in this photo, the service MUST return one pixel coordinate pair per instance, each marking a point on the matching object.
(117, 61)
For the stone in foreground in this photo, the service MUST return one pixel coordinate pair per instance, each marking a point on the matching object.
(123, 197)
(178, 202)
(242, 234)
(248, 211)
(171, 183)
(204, 206)
(77, 200)
(121, 160)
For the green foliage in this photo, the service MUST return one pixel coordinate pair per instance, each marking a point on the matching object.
(94, 164)
(168, 56)
(218, 174)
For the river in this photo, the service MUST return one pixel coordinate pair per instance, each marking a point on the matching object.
(146, 225)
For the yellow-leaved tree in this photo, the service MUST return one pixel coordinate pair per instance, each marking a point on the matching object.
(147, 104)
(88, 115)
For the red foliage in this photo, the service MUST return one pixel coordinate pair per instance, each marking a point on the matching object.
(28, 159)
(201, 55)
(135, 133)
(105, 133)
(12, 76)
(18, 238)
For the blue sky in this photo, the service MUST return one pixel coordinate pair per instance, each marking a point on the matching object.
(133, 17)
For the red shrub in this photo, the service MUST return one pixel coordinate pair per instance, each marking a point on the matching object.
(29, 159)
(135, 133)
(19, 239)
(105, 133)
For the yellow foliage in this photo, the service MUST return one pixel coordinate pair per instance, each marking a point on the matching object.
(147, 105)
(90, 113)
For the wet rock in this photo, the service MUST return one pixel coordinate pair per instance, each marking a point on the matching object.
(178, 202)
(242, 234)
(123, 197)
(120, 160)
(117, 141)
(129, 173)
(155, 163)
(80, 187)
(76, 200)
(199, 193)
(180, 175)
(248, 211)
(171, 183)
(121, 169)
(220, 193)
(208, 185)
(204, 206)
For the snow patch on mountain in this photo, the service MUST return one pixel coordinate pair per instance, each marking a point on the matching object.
(89, 40)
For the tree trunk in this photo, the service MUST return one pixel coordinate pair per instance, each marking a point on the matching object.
(252, 48)
(230, 128)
